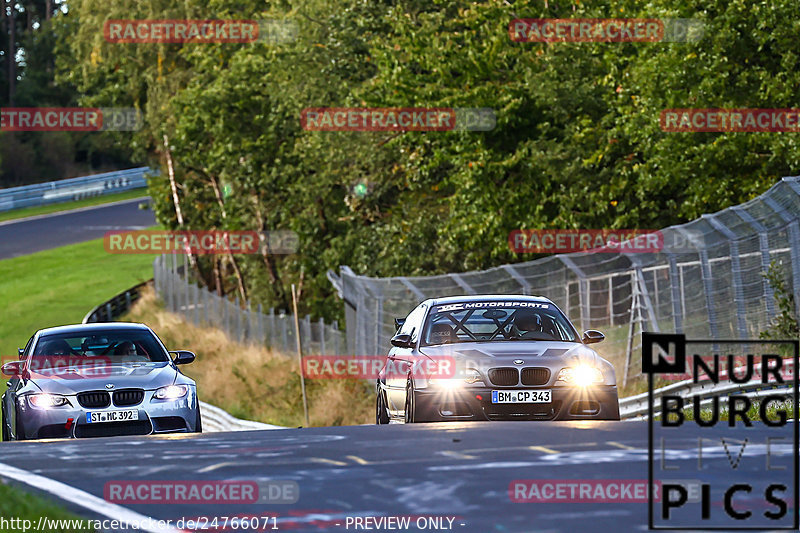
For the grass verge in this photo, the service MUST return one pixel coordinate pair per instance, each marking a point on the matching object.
(252, 382)
(22, 512)
(60, 286)
(66, 206)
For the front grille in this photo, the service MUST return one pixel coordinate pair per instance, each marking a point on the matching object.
(535, 376)
(168, 423)
(53, 431)
(128, 397)
(531, 411)
(94, 399)
(504, 377)
(113, 429)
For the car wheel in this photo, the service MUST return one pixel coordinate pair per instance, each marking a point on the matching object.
(410, 403)
(198, 425)
(6, 434)
(19, 428)
(381, 415)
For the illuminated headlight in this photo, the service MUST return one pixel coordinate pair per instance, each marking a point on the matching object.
(580, 376)
(47, 401)
(470, 376)
(446, 383)
(171, 392)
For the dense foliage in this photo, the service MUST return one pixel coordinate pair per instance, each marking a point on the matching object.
(577, 142)
(28, 50)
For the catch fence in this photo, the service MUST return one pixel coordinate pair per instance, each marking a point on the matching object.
(707, 282)
(269, 328)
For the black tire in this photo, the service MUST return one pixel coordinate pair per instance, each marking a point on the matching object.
(6, 433)
(198, 424)
(411, 404)
(381, 415)
(19, 428)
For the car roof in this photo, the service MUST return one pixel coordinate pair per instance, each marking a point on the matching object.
(94, 326)
(487, 298)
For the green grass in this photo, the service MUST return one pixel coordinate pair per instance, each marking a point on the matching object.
(65, 206)
(60, 286)
(24, 506)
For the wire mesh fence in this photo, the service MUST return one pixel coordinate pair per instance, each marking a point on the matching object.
(707, 282)
(240, 322)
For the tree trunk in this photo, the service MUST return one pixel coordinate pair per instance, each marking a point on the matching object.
(177, 203)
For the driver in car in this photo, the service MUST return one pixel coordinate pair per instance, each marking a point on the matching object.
(55, 347)
(527, 325)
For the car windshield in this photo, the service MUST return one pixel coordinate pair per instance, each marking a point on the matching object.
(496, 321)
(132, 345)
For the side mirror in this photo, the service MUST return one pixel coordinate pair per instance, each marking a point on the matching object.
(592, 336)
(398, 323)
(402, 341)
(12, 369)
(183, 357)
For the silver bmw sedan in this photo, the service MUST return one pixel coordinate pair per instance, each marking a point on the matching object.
(98, 380)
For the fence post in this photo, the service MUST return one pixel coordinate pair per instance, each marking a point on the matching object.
(321, 337)
(205, 306)
(307, 327)
(675, 283)
(260, 326)
(336, 338)
(224, 304)
(237, 315)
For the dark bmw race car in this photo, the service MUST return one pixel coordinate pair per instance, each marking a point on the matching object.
(97, 380)
(514, 358)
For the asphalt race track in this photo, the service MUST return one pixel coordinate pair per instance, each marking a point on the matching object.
(456, 470)
(34, 234)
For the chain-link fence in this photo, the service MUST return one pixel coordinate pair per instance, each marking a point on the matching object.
(240, 322)
(707, 281)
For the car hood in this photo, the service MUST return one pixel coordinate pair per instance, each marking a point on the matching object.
(148, 376)
(502, 353)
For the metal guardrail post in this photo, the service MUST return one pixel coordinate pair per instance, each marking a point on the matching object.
(675, 288)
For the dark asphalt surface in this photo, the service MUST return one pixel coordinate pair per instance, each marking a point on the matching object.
(27, 236)
(462, 471)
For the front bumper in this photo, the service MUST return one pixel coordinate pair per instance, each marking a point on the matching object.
(155, 417)
(475, 403)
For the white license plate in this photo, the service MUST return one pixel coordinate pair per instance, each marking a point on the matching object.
(520, 396)
(120, 415)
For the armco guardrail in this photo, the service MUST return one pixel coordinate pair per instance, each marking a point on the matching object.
(115, 307)
(74, 188)
(636, 406)
(215, 419)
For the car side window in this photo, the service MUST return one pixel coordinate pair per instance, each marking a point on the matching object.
(413, 323)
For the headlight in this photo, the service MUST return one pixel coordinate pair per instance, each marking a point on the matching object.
(470, 376)
(580, 376)
(171, 392)
(46, 401)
